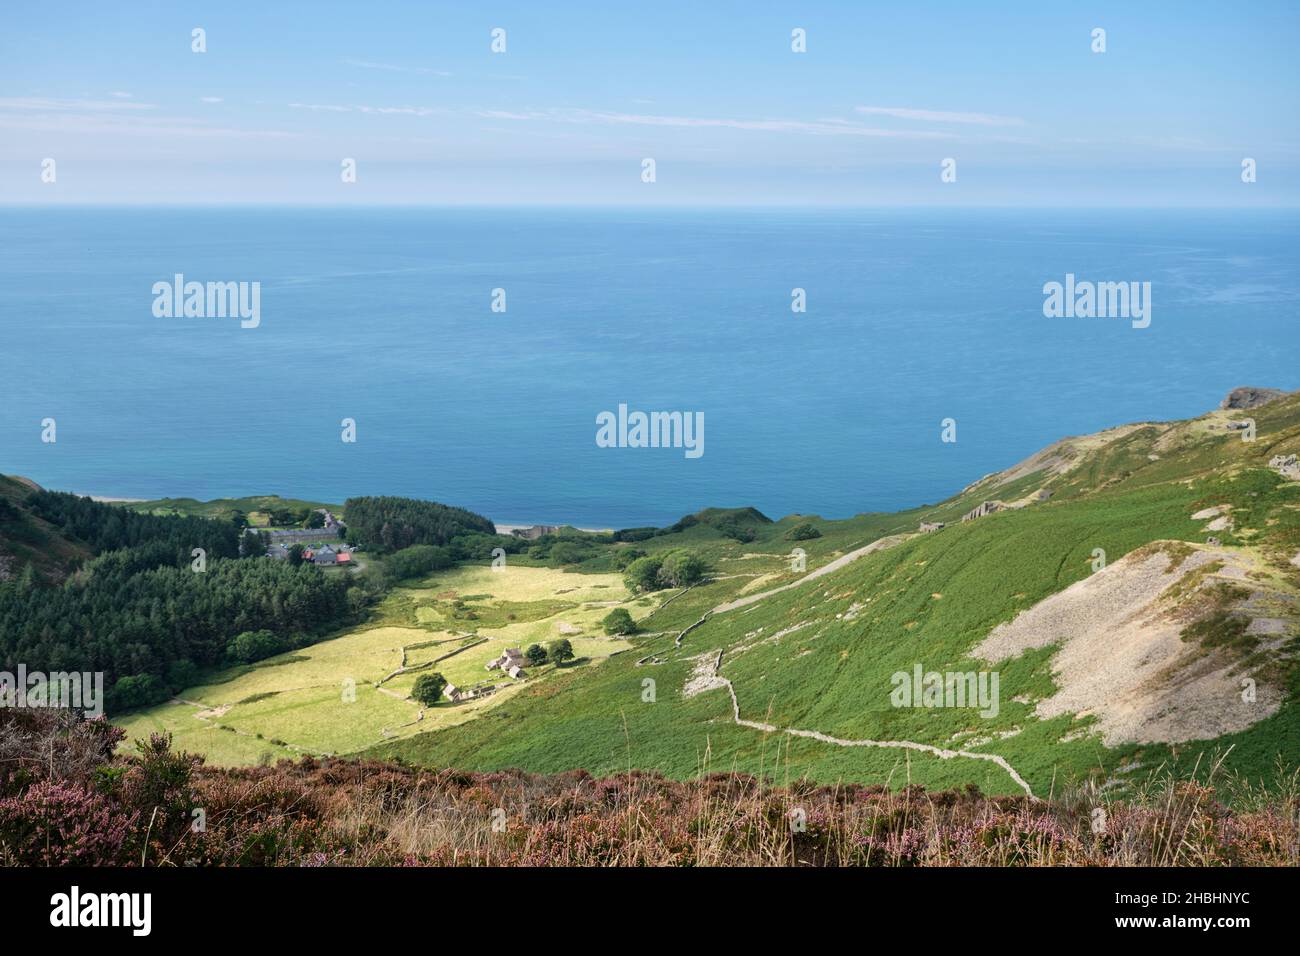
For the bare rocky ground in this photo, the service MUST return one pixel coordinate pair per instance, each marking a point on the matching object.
(704, 676)
(1121, 656)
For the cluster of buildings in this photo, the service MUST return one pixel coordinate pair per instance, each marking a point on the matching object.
(511, 662)
(322, 554)
(458, 695)
(318, 548)
(332, 529)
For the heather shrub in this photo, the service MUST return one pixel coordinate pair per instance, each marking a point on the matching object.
(39, 743)
(67, 801)
(60, 824)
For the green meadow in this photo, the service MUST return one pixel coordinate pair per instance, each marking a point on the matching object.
(347, 693)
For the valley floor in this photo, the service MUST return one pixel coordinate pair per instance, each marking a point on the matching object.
(351, 692)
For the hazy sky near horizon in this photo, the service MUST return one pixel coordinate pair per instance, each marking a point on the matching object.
(711, 91)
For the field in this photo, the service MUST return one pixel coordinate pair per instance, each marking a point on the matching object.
(348, 693)
(256, 508)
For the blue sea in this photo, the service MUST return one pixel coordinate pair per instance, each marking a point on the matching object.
(383, 316)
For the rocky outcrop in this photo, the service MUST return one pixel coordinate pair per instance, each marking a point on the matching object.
(1246, 397)
(1120, 655)
(987, 508)
(1288, 466)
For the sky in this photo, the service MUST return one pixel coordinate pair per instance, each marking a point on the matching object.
(584, 93)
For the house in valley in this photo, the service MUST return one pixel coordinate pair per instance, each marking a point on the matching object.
(459, 695)
(324, 555)
(289, 536)
(511, 662)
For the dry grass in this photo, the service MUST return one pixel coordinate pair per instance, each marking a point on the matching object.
(380, 814)
(66, 799)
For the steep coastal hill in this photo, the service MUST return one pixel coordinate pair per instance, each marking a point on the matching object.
(26, 539)
(1135, 591)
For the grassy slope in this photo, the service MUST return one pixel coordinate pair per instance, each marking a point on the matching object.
(255, 507)
(929, 600)
(28, 539)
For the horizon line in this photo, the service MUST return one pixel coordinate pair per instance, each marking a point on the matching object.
(639, 206)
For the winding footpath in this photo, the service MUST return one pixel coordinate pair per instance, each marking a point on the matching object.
(835, 565)
(901, 744)
(841, 742)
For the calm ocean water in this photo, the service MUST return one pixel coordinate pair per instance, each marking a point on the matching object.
(383, 316)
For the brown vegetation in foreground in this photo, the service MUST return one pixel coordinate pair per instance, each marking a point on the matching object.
(66, 800)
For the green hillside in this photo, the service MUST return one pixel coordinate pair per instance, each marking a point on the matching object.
(819, 657)
(1134, 593)
(28, 540)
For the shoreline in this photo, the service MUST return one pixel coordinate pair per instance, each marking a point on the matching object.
(503, 527)
(507, 528)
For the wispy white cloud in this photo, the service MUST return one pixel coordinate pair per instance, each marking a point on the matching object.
(940, 116)
(49, 104)
(209, 99)
(511, 115)
(812, 127)
(395, 68)
(102, 117)
(129, 124)
(121, 95)
(385, 110)
(320, 107)
(587, 117)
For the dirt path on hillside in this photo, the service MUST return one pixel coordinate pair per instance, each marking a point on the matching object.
(840, 742)
(715, 676)
(843, 560)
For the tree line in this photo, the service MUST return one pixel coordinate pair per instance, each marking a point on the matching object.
(149, 615)
(385, 523)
